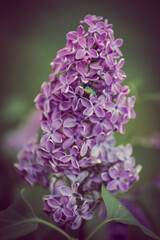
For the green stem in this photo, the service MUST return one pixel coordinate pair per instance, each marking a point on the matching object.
(39, 220)
(96, 229)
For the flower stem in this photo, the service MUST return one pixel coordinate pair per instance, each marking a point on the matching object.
(96, 229)
(39, 220)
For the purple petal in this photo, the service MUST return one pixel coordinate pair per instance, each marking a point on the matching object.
(68, 132)
(77, 222)
(121, 99)
(45, 138)
(87, 215)
(101, 138)
(69, 122)
(74, 150)
(58, 155)
(112, 185)
(41, 152)
(66, 158)
(97, 129)
(104, 176)
(93, 53)
(56, 124)
(120, 63)
(125, 174)
(64, 200)
(109, 106)
(80, 54)
(80, 30)
(45, 126)
(115, 116)
(47, 106)
(63, 79)
(82, 176)
(65, 105)
(119, 42)
(65, 88)
(108, 125)
(121, 75)
(85, 102)
(131, 113)
(131, 101)
(113, 172)
(68, 212)
(99, 24)
(108, 79)
(82, 42)
(79, 90)
(53, 203)
(129, 149)
(81, 69)
(85, 207)
(66, 191)
(88, 111)
(120, 156)
(123, 186)
(46, 89)
(123, 110)
(62, 52)
(67, 143)
(90, 42)
(95, 66)
(50, 146)
(109, 61)
(75, 163)
(84, 149)
(71, 35)
(56, 137)
(94, 119)
(99, 111)
(57, 215)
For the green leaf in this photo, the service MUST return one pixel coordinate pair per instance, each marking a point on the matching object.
(116, 211)
(17, 220)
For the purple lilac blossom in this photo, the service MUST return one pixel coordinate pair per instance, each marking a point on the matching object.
(81, 107)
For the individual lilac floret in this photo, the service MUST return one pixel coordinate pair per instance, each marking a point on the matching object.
(118, 181)
(51, 132)
(82, 106)
(82, 213)
(124, 154)
(86, 48)
(60, 208)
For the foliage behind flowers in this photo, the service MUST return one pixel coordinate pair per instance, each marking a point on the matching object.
(81, 107)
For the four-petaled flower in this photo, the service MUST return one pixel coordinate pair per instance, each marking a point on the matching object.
(118, 108)
(86, 48)
(96, 106)
(75, 36)
(51, 131)
(60, 208)
(118, 180)
(82, 213)
(124, 154)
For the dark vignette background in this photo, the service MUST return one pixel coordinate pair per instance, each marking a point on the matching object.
(32, 31)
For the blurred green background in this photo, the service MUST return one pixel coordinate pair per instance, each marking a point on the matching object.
(32, 31)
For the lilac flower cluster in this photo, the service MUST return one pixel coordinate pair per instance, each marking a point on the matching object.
(81, 107)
